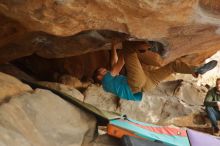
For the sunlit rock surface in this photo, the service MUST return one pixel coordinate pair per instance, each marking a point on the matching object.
(41, 118)
(209, 78)
(10, 86)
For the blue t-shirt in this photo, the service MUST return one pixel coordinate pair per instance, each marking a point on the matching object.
(118, 85)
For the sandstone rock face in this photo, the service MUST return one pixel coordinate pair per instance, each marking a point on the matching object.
(96, 96)
(70, 90)
(73, 38)
(59, 29)
(11, 86)
(169, 101)
(211, 6)
(81, 66)
(44, 119)
(57, 17)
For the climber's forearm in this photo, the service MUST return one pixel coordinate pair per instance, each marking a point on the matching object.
(118, 66)
(114, 55)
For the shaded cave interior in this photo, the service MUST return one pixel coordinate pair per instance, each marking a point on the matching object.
(92, 45)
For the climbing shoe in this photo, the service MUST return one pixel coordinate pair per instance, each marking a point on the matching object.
(206, 67)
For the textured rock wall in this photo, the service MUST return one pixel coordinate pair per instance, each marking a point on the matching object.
(41, 118)
(81, 66)
(167, 104)
(48, 28)
(10, 86)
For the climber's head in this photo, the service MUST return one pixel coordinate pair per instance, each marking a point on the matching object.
(98, 74)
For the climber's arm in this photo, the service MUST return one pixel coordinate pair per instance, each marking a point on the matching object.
(114, 55)
(118, 66)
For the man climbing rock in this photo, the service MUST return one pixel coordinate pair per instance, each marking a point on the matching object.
(139, 79)
(212, 103)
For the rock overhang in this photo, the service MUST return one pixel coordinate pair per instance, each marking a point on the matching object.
(177, 24)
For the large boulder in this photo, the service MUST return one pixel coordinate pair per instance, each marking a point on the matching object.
(59, 29)
(10, 86)
(41, 118)
(96, 96)
(169, 101)
(69, 90)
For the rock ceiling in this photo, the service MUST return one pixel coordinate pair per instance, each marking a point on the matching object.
(64, 28)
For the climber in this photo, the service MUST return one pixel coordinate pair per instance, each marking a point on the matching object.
(212, 103)
(138, 78)
(112, 81)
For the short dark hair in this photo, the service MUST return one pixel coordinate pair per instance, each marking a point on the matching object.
(95, 75)
(218, 79)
